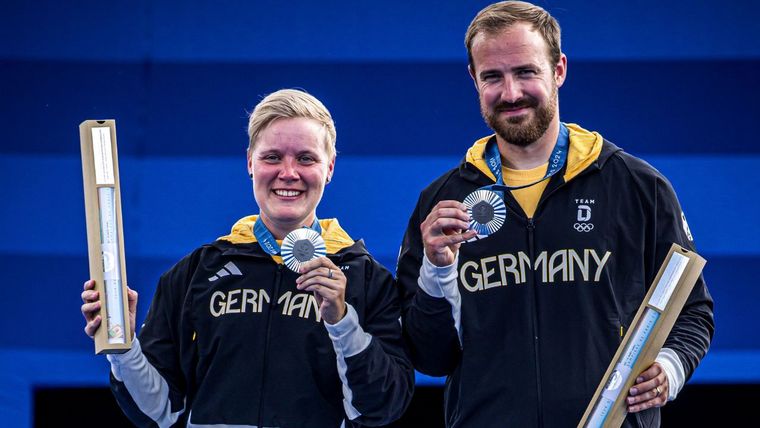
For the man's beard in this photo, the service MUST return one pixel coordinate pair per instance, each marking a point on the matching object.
(519, 130)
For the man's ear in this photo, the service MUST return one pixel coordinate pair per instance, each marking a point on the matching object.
(471, 70)
(560, 71)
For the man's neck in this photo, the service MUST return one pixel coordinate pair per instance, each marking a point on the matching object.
(532, 155)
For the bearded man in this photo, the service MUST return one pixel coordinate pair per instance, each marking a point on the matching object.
(525, 265)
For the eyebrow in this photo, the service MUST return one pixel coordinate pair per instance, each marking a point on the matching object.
(529, 65)
(312, 153)
(484, 73)
(526, 66)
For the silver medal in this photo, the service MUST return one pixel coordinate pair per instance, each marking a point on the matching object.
(300, 246)
(487, 212)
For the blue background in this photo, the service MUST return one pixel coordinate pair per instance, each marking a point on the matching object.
(673, 82)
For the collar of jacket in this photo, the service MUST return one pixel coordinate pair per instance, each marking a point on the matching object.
(240, 238)
(588, 151)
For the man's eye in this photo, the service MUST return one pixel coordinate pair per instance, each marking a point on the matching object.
(306, 159)
(271, 158)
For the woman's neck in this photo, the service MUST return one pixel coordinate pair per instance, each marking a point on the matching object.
(280, 229)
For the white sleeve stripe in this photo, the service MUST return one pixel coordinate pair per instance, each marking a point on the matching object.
(442, 282)
(146, 386)
(348, 335)
(673, 368)
(350, 340)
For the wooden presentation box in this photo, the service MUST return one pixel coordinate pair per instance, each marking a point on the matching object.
(105, 235)
(651, 326)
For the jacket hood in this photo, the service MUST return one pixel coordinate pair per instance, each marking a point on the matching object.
(336, 239)
(585, 150)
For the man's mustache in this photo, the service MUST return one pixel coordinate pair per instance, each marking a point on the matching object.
(521, 103)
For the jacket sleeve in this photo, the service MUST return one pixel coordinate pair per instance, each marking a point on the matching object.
(428, 323)
(373, 363)
(693, 330)
(147, 381)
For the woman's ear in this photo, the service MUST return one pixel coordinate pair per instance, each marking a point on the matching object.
(330, 169)
(249, 162)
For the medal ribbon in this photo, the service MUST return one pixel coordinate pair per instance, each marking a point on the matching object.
(268, 242)
(556, 161)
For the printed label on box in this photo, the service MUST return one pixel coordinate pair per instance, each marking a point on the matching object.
(103, 157)
(668, 281)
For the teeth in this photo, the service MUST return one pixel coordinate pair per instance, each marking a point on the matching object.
(287, 192)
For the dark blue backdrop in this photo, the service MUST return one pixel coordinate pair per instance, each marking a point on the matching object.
(674, 82)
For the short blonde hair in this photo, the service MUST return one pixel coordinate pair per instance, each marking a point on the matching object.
(499, 16)
(288, 104)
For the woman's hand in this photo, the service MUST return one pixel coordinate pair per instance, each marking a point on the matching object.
(328, 284)
(91, 308)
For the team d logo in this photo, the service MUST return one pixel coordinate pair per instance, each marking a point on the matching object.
(583, 223)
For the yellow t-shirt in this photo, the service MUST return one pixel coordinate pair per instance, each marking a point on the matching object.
(528, 197)
(585, 147)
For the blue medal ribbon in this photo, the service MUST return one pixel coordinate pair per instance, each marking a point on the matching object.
(268, 242)
(556, 161)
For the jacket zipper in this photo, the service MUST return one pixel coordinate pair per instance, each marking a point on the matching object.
(534, 318)
(536, 282)
(272, 309)
(532, 249)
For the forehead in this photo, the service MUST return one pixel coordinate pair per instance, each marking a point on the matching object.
(292, 134)
(517, 44)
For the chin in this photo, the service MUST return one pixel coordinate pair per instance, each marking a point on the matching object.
(288, 216)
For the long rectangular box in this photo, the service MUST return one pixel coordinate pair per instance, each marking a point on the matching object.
(105, 235)
(651, 326)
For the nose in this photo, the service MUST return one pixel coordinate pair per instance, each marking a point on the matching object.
(511, 91)
(289, 170)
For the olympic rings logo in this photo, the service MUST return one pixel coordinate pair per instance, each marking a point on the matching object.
(583, 227)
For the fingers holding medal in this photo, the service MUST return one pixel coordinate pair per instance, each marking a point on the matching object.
(444, 230)
(451, 223)
(322, 277)
(487, 212)
(300, 246)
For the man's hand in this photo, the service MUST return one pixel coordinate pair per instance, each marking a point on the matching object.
(444, 230)
(651, 390)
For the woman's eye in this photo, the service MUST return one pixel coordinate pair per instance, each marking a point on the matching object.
(307, 159)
